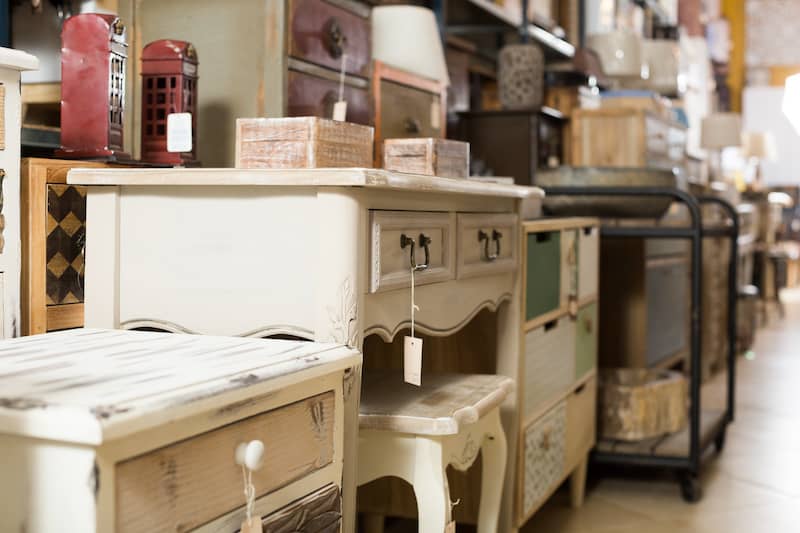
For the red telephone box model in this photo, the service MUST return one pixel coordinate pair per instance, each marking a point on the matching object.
(93, 57)
(169, 85)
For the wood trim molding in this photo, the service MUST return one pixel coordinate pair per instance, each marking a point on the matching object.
(264, 331)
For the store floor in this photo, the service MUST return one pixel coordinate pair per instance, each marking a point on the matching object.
(753, 486)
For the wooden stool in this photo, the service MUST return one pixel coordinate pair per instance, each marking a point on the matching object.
(414, 433)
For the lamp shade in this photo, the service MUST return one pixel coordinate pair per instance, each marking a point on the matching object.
(720, 130)
(407, 37)
(620, 52)
(660, 60)
(791, 101)
(758, 144)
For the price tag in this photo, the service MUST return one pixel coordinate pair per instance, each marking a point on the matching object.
(450, 527)
(340, 110)
(436, 114)
(179, 132)
(252, 526)
(412, 360)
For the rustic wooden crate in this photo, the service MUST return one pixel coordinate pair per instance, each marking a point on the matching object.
(430, 156)
(302, 142)
(637, 404)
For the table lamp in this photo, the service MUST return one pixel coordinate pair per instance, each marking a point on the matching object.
(758, 146)
(791, 101)
(718, 131)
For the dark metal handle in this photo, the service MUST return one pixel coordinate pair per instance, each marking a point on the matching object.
(484, 237)
(425, 242)
(412, 125)
(335, 39)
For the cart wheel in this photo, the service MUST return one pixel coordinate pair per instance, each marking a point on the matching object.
(719, 441)
(690, 488)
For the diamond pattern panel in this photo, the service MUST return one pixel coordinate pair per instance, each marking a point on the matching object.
(544, 455)
(66, 235)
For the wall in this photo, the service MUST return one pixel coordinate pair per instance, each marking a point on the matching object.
(762, 112)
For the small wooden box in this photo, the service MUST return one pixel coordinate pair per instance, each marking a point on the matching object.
(302, 142)
(638, 404)
(433, 157)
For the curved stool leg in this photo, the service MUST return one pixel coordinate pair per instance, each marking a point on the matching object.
(430, 486)
(493, 453)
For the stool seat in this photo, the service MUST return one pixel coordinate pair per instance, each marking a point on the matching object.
(443, 403)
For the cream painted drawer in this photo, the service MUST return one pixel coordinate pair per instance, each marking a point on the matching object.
(588, 259)
(390, 260)
(581, 422)
(544, 444)
(549, 363)
(487, 244)
(184, 485)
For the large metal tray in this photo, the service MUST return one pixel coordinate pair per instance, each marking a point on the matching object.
(606, 206)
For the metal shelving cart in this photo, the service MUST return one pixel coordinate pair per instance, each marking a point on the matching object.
(684, 450)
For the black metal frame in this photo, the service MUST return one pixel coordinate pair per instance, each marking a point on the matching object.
(688, 466)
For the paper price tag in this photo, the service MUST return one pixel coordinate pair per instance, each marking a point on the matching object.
(412, 361)
(179, 132)
(450, 527)
(340, 110)
(252, 526)
(436, 114)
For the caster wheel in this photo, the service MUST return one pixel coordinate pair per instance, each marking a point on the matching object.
(690, 489)
(719, 441)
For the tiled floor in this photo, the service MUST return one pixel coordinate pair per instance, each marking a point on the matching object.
(753, 486)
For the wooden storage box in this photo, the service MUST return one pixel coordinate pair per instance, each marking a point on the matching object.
(638, 404)
(430, 156)
(153, 450)
(302, 142)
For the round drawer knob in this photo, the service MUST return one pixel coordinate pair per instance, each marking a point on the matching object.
(250, 455)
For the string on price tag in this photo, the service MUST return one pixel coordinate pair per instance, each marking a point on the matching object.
(412, 347)
(340, 107)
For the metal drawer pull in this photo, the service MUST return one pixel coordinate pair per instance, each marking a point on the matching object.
(335, 39)
(484, 237)
(425, 242)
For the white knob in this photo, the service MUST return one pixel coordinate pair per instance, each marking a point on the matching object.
(254, 455)
(240, 453)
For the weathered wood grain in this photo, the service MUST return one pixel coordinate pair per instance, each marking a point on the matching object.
(320, 512)
(434, 157)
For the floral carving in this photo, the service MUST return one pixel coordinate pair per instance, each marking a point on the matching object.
(468, 454)
(343, 317)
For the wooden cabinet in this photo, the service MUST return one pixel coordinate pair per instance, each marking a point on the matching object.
(557, 387)
(154, 449)
(247, 53)
(621, 137)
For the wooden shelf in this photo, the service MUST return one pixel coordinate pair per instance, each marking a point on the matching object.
(554, 47)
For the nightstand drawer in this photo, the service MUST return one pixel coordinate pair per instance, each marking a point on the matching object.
(487, 244)
(549, 363)
(189, 483)
(395, 235)
(544, 443)
(543, 291)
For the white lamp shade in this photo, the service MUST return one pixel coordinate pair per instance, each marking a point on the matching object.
(407, 37)
(620, 52)
(720, 130)
(759, 144)
(660, 61)
(791, 101)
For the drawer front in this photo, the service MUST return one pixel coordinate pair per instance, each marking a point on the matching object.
(487, 244)
(312, 96)
(322, 32)
(184, 485)
(581, 422)
(542, 273)
(569, 265)
(319, 512)
(549, 362)
(66, 236)
(588, 260)
(544, 448)
(667, 309)
(390, 262)
(586, 327)
(408, 112)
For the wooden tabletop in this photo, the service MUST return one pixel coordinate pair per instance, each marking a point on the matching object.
(318, 177)
(81, 385)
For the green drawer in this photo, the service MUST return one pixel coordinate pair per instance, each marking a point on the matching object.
(586, 340)
(543, 273)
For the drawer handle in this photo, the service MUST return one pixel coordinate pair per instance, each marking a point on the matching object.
(425, 242)
(412, 125)
(335, 39)
(484, 237)
(250, 455)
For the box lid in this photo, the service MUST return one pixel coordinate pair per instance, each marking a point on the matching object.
(90, 385)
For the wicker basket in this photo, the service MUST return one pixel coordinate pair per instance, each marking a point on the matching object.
(638, 404)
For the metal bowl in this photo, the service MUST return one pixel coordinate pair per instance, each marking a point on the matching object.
(607, 206)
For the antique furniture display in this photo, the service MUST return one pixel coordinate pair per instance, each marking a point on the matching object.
(641, 139)
(12, 63)
(406, 105)
(416, 433)
(270, 59)
(557, 387)
(433, 157)
(302, 142)
(331, 267)
(93, 86)
(89, 443)
(169, 85)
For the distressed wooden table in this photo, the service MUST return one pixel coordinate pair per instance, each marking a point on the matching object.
(315, 254)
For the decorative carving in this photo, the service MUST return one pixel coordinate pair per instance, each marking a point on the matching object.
(343, 318)
(375, 274)
(348, 380)
(171, 327)
(320, 512)
(468, 454)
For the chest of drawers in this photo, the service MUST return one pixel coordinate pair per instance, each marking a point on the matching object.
(107, 430)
